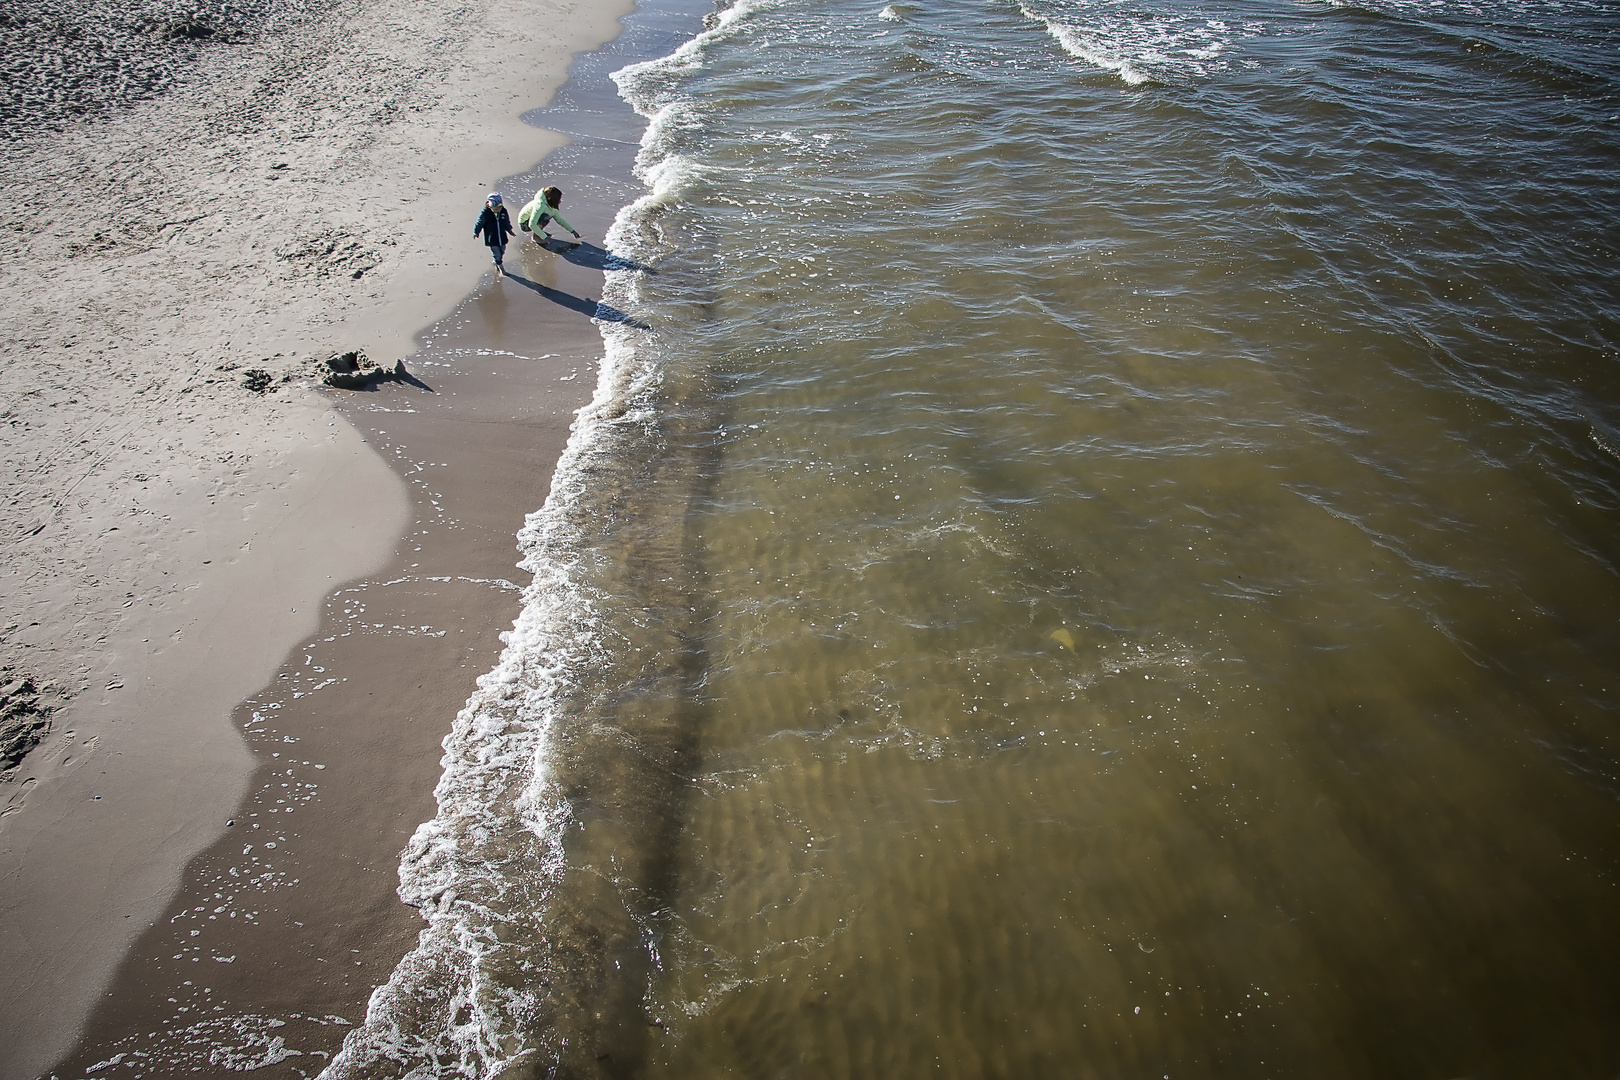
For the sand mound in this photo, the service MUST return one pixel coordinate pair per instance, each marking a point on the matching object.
(25, 718)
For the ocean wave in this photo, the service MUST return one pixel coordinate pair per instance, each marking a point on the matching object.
(650, 85)
(1144, 48)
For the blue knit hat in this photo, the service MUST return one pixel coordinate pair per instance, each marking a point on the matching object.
(495, 198)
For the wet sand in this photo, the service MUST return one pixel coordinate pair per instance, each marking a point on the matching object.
(276, 949)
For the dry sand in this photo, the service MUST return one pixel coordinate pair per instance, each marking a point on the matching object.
(170, 535)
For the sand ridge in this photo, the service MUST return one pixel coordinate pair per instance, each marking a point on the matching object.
(169, 532)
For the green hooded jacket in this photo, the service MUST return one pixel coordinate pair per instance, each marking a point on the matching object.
(536, 208)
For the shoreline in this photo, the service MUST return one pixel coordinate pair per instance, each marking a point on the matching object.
(157, 313)
(283, 926)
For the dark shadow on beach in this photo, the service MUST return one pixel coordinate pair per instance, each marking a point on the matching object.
(592, 309)
(374, 382)
(411, 380)
(588, 255)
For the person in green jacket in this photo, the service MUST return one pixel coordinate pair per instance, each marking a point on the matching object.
(542, 209)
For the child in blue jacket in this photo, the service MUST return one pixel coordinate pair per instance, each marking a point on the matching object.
(496, 225)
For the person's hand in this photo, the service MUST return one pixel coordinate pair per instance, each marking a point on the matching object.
(575, 232)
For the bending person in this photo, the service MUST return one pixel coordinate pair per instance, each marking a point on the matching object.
(541, 210)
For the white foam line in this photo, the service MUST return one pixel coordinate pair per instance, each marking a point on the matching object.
(1090, 49)
(496, 819)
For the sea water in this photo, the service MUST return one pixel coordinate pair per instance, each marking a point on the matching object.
(1094, 553)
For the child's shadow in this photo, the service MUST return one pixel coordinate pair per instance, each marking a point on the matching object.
(593, 309)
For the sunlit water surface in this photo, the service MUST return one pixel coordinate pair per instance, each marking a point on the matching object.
(1102, 562)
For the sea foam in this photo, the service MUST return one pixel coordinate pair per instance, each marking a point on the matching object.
(481, 992)
(1143, 48)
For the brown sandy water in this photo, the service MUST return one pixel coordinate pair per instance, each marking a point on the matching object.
(1160, 626)
(1162, 551)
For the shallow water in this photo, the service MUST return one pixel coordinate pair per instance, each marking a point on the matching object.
(1102, 563)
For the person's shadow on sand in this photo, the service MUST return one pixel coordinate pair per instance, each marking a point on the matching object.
(593, 309)
(588, 255)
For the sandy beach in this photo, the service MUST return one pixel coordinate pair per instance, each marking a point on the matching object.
(188, 558)
(1064, 539)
